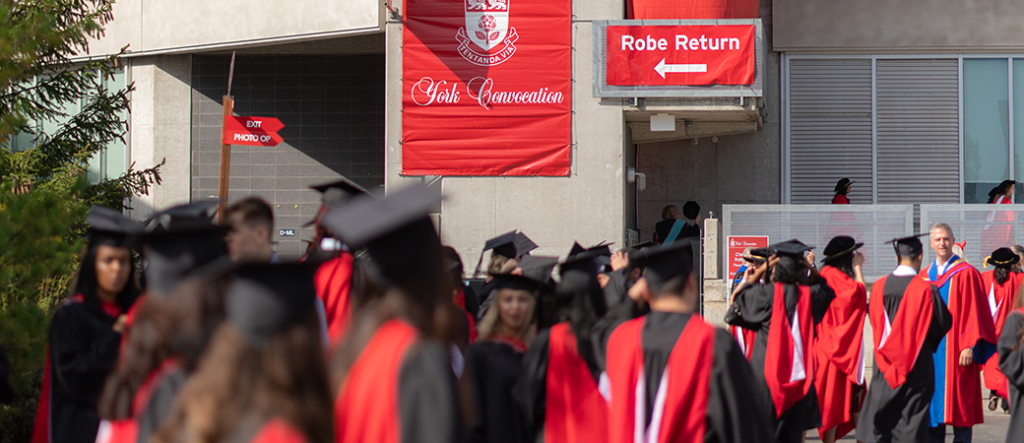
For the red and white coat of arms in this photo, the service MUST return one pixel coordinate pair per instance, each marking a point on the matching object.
(487, 28)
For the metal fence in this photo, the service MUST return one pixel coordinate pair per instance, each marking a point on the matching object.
(984, 227)
(817, 224)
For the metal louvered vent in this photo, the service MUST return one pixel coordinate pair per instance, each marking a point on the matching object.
(830, 128)
(918, 131)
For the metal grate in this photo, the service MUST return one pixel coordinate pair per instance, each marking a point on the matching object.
(984, 227)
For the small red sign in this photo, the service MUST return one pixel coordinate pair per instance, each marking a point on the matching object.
(735, 247)
(252, 131)
(681, 55)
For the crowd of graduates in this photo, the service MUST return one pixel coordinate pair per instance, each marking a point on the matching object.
(375, 336)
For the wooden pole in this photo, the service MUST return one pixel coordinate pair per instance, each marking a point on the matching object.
(225, 149)
(225, 164)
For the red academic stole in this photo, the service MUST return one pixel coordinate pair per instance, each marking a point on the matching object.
(839, 351)
(278, 431)
(745, 338)
(972, 322)
(333, 280)
(1002, 298)
(789, 357)
(127, 430)
(367, 406)
(680, 409)
(574, 409)
(898, 343)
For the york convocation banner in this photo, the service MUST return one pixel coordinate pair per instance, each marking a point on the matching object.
(486, 87)
(680, 55)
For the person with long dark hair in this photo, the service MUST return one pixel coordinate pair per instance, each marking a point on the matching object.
(263, 377)
(1002, 284)
(564, 356)
(839, 356)
(796, 294)
(1011, 363)
(392, 377)
(85, 332)
(171, 325)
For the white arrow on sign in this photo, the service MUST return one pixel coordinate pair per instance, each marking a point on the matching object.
(664, 68)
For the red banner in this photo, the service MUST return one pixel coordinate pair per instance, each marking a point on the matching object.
(680, 55)
(738, 244)
(486, 87)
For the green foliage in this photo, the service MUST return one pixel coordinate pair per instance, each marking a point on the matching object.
(44, 194)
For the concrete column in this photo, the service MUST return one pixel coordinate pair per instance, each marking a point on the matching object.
(160, 128)
(587, 206)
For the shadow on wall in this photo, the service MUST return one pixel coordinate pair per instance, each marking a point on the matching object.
(332, 107)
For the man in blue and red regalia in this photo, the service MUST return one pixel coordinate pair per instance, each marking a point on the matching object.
(908, 320)
(674, 377)
(970, 342)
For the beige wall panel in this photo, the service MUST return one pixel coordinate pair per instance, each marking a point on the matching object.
(897, 25)
(186, 25)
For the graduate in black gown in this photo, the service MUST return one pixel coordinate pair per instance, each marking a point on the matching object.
(795, 288)
(169, 327)
(495, 359)
(1011, 362)
(563, 357)
(686, 378)
(625, 271)
(85, 332)
(912, 311)
(393, 379)
(263, 378)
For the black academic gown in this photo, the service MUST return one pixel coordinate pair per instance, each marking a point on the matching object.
(731, 416)
(83, 351)
(427, 399)
(161, 403)
(495, 369)
(6, 393)
(904, 410)
(752, 309)
(1011, 362)
(615, 292)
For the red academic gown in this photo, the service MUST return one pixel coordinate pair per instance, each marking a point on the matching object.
(839, 353)
(278, 431)
(683, 413)
(972, 323)
(401, 389)
(1001, 299)
(998, 229)
(840, 199)
(333, 281)
(573, 405)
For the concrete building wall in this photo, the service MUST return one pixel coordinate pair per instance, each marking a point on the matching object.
(160, 26)
(332, 107)
(587, 206)
(895, 25)
(160, 127)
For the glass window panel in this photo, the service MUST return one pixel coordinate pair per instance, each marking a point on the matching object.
(986, 127)
(1018, 123)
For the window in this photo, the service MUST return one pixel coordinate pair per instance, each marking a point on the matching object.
(986, 127)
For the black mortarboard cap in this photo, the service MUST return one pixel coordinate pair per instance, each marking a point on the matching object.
(509, 281)
(791, 247)
(668, 262)
(266, 299)
(538, 267)
(843, 183)
(579, 271)
(908, 246)
(396, 231)
(180, 240)
(759, 255)
(1002, 258)
(109, 227)
(504, 245)
(840, 246)
(523, 244)
(336, 193)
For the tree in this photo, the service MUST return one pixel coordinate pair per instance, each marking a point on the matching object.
(44, 191)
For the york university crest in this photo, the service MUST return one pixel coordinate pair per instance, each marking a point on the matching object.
(487, 29)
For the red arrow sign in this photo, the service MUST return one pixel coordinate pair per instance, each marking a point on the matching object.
(252, 131)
